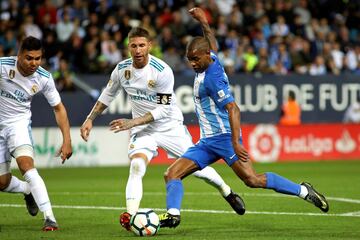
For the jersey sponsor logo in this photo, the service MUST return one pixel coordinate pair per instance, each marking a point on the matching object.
(142, 95)
(221, 93)
(151, 83)
(34, 88)
(164, 99)
(127, 74)
(11, 74)
(17, 95)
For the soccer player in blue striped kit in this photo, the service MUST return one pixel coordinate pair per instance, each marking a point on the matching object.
(219, 120)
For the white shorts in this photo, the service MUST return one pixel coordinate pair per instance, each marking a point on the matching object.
(13, 136)
(175, 142)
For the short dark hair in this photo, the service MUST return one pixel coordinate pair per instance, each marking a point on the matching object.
(139, 32)
(30, 43)
(199, 43)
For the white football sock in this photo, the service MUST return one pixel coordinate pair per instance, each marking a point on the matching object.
(39, 192)
(134, 187)
(17, 186)
(209, 175)
(303, 192)
(174, 211)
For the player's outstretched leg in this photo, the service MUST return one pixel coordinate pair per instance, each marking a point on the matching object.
(125, 218)
(236, 203)
(315, 197)
(303, 190)
(168, 220)
(31, 204)
(209, 175)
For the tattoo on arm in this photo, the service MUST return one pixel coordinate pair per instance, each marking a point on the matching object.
(147, 118)
(97, 110)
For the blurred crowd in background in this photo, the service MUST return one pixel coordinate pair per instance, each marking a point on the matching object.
(314, 37)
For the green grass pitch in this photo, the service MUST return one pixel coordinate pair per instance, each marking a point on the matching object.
(87, 203)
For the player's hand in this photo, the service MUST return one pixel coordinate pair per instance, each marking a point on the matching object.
(198, 14)
(121, 124)
(85, 129)
(65, 151)
(241, 152)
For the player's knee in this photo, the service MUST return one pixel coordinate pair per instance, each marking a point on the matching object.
(137, 167)
(24, 156)
(169, 175)
(4, 181)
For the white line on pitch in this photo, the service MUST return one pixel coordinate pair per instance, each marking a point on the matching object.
(349, 200)
(354, 214)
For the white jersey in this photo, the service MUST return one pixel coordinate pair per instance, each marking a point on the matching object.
(17, 91)
(149, 89)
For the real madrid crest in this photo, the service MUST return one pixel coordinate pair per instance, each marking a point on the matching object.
(127, 74)
(110, 82)
(151, 83)
(12, 74)
(164, 100)
(34, 89)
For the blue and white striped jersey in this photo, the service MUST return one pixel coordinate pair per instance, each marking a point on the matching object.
(211, 94)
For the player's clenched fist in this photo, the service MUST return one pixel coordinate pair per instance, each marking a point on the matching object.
(198, 14)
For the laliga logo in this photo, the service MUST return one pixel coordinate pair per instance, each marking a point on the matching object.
(265, 143)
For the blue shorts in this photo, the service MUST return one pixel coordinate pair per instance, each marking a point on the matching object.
(209, 150)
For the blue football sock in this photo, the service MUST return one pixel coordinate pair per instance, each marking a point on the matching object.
(281, 184)
(174, 194)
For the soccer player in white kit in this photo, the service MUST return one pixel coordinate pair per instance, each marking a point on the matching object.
(157, 121)
(21, 78)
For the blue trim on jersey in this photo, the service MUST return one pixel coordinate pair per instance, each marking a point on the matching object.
(156, 65)
(123, 65)
(7, 61)
(43, 72)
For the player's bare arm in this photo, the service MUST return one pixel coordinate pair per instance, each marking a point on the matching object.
(125, 124)
(200, 16)
(62, 121)
(86, 127)
(234, 119)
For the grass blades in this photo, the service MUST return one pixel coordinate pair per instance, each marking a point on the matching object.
(87, 203)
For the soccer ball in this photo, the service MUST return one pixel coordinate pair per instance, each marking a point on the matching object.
(145, 222)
